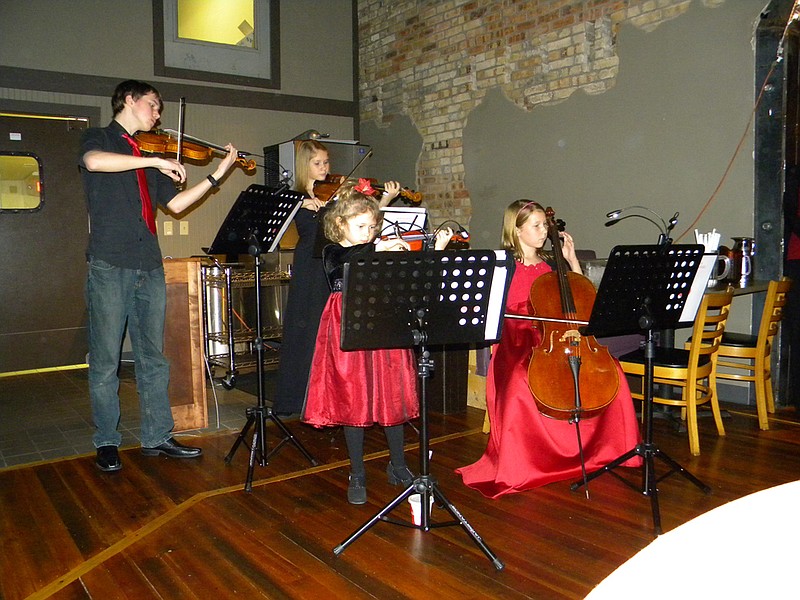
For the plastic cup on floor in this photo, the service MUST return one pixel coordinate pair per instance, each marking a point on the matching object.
(415, 500)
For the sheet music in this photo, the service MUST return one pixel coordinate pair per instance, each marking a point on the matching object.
(403, 219)
(497, 296)
(698, 288)
(290, 205)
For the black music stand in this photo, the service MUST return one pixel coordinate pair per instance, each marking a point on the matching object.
(405, 300)
(255, 224)
(645, 288)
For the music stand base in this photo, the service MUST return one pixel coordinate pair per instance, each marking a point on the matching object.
(648, 452)
(427, 487)
(258, 415)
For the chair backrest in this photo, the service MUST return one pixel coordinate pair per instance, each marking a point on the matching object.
(709, 324)
(771, 316)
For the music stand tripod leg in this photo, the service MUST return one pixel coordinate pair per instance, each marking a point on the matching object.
(677, 468)
(261, 412)
(424, 484)
(377, 517)
(240, 439)
(456, 514)
(288, 437)
(647, 449)
(257, 449)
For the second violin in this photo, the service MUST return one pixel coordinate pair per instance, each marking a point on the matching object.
(325, 190)
(418, 240)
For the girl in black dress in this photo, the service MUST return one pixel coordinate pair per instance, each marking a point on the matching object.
(308, 289)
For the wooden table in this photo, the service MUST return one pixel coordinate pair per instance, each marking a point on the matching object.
(737, 550)
(752, 288)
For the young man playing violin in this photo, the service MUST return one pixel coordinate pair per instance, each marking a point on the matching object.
(125, 282)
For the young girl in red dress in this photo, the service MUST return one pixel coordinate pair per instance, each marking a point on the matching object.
(527, 449)
(358, 388)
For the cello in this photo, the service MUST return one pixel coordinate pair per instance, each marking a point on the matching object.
(567, 362)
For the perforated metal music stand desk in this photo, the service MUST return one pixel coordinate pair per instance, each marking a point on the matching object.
(407, 300)
(255, 225)
(645, 288)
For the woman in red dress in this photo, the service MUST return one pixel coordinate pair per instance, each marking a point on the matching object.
(527, 449)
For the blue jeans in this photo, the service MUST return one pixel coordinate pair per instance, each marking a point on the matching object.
(116, 296)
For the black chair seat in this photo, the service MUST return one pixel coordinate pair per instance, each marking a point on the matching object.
(670, 358)
(739, 340)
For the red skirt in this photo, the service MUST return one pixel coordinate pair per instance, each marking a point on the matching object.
(358, 387)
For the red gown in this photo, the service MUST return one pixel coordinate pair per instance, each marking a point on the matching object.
(356, 387)
(527, 449)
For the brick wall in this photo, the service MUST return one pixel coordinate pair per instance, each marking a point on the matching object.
(434, 60)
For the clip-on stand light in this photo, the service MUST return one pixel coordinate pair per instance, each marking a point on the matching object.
(407, 300)
(255, 225)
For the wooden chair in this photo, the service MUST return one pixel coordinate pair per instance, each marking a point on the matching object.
(693, 368)
(750, 354)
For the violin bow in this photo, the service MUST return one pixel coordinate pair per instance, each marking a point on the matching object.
(181, 108)
(350, 174)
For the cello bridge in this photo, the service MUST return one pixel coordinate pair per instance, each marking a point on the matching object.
(571, 336)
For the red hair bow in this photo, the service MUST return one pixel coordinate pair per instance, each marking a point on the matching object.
(364, 187)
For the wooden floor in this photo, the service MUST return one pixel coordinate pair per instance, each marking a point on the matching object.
(172, 529)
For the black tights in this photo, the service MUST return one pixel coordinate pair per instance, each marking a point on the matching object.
(354, 437)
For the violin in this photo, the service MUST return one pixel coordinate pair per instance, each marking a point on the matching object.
(165, 141)
(410, 195)
(568, 362)
(417, 240)
(326, 189)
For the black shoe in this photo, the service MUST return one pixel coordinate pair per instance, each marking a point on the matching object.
(286, 415)
(108, 459)
(402, 476)
(357, 489)
(174, 449)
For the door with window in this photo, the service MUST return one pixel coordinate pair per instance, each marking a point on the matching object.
(43, 238)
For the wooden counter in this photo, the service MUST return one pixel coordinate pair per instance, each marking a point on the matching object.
(183, 343)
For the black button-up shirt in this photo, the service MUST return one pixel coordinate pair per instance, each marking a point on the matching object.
(118, 234)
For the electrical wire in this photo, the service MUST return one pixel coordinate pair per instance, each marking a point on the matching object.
(794, 16)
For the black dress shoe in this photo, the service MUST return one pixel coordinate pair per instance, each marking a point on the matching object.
(402, 476)
(174, 449)
(357, 489)
(286, 415)
(108, 459)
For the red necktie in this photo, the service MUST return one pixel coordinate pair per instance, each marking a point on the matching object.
(144, 193)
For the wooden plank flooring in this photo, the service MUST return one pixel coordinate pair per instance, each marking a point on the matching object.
(171, 529)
